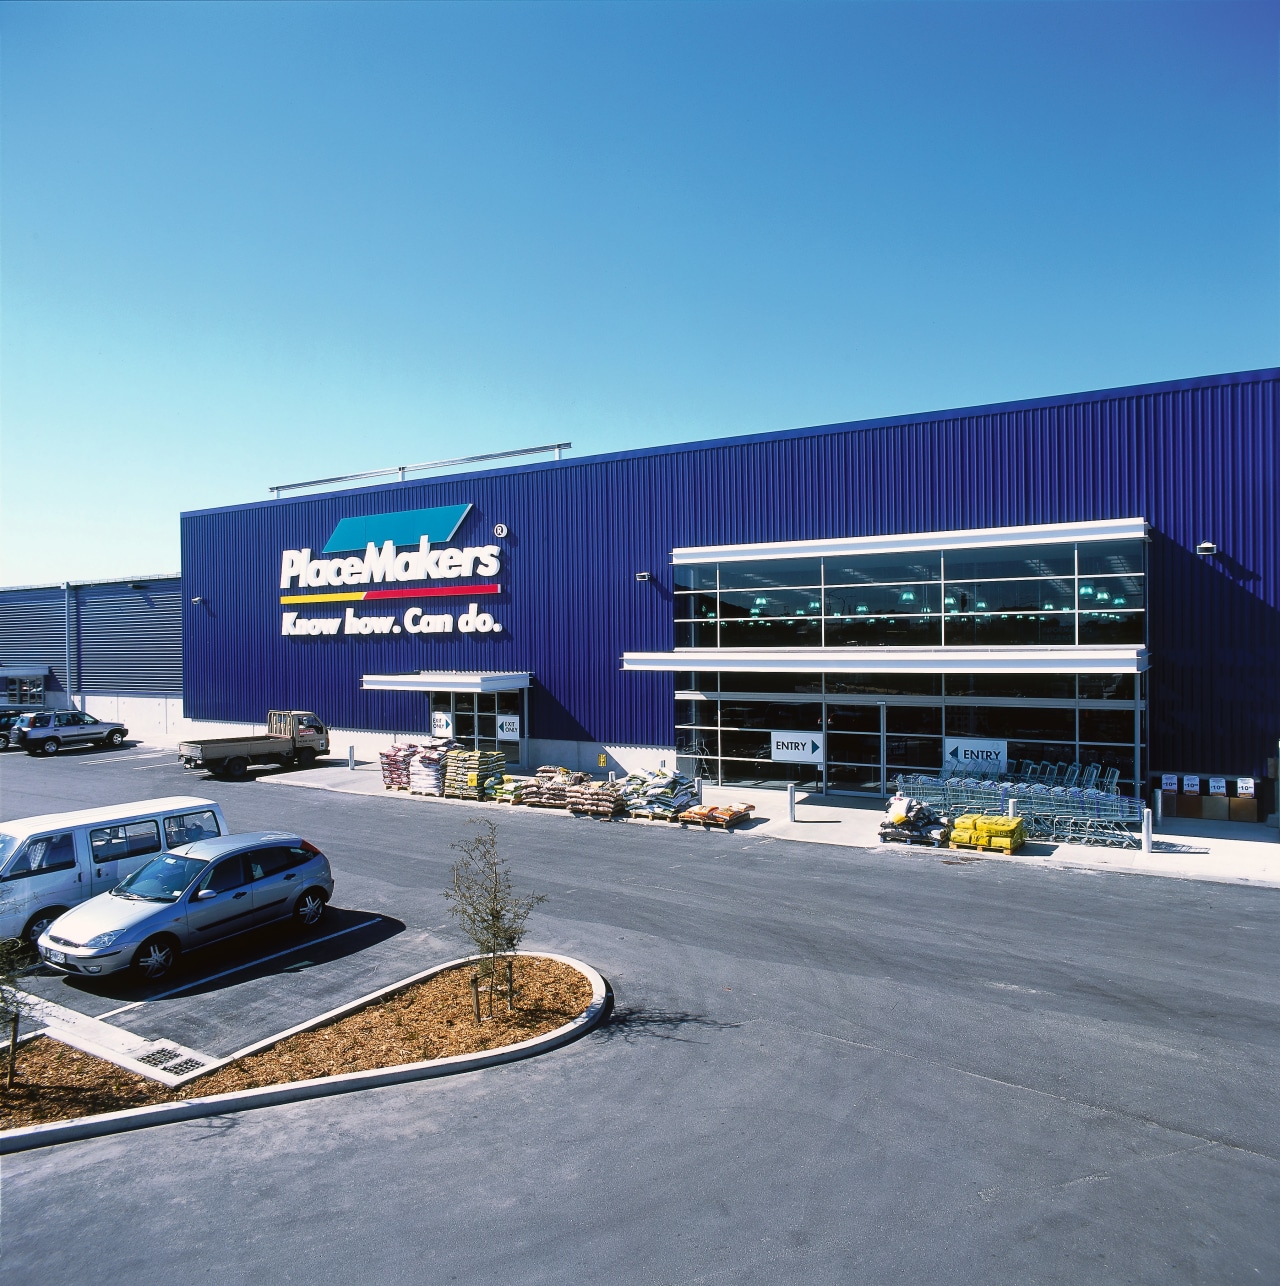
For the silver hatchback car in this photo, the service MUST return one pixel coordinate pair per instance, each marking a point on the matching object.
(191, 896)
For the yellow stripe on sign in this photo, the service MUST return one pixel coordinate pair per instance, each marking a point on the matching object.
(322, 598)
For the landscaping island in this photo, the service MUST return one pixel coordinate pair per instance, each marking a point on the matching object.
(434, 1018)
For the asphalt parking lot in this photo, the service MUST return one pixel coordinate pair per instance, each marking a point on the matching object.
(824, 1064)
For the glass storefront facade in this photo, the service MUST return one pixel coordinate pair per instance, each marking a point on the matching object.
(475, 716)
(1051, 594)
(1048, 594)
(878, 726)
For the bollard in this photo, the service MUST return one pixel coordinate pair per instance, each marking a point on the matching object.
(351, 758)
(1013, 808)
(1159, 820)
(612, 775)
(1146, 830)
(697, 789)
(791, 800)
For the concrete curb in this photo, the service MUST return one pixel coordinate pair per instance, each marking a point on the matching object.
(27, 1137)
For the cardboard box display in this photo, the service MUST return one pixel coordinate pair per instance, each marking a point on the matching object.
(1213, 808)
(1188, 805)
(1244, 810)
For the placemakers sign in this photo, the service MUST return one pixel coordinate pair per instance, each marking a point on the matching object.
(381, 560)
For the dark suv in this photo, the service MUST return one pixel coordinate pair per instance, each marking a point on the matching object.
(7, 719)
(49, 731)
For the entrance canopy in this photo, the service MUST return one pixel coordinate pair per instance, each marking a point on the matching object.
(897, 660)
(446, 681)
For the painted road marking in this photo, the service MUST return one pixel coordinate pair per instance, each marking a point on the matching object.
(249, 964)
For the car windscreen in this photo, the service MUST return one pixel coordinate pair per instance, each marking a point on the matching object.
(7, 844)
(162, 879)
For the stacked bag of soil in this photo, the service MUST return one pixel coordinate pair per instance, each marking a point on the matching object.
(469, 773)
(908, 821)
(395, 766)
(426, 769)
(597, 798)
(726, 815)
(550, 786)
(661, 796)
(511, 790)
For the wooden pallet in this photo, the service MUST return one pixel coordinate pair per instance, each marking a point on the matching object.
(917, 843)
(994, 845)
(709, 824)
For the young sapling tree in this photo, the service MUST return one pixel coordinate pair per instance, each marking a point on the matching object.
(484, 904)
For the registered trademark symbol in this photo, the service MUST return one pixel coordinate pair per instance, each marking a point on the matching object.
(500, 529)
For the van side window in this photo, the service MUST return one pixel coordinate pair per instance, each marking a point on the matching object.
(48, 853)
(190, 827)
(111, 843)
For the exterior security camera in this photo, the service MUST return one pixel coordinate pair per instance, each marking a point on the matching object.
(1206, 549)
(195, 602)
(642, 575)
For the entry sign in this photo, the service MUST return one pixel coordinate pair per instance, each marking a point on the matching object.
(798, 747)
(509, 727)
(960, 753)
(441, 723)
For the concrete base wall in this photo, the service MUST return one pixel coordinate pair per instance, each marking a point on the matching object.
(159, 721)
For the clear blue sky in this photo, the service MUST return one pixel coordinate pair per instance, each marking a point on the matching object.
(249, 244)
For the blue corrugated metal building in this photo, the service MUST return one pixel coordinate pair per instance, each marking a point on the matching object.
(955, 640)
(1019, 580)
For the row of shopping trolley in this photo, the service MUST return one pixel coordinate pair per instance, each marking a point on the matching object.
(1051, 776)
(1065, 814)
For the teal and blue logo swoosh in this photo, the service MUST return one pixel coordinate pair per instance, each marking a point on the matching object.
(407, 527)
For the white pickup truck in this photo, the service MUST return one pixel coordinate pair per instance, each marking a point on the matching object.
(294, 739)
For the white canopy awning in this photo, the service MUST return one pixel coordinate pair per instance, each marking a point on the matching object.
(23, 671)
(896, 660)
(446, 681)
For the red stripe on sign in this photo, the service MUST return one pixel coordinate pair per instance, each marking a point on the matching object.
(435, 591)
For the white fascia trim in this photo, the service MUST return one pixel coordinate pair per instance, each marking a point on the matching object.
(445, 681)
(896, 660)
(918, 542)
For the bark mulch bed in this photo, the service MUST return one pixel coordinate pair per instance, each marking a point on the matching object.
(432, 1019)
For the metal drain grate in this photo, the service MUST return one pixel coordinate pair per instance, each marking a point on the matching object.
(185, 1066)
(159, 1057)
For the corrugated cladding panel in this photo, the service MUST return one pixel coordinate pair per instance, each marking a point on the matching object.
(1198, 459)
(122, 639)
(33, 631)
(131, 639)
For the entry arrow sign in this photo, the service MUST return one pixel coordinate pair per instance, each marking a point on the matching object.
(797, 747)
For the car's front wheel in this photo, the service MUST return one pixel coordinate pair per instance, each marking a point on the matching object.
(310, 909)
(114, 739)
(40, 922)
(155, 958)
(4, 741)
(236, 769)
(49, 746)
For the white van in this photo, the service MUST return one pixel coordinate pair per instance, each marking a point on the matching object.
(49, 863)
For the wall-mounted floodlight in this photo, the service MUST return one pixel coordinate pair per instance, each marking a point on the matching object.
(642, 575)
(1206, 549)
(195, 602)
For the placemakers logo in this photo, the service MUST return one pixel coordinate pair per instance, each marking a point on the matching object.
(387, 561)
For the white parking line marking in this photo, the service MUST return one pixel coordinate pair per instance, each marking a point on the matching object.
(124, 759)
(199, 982)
